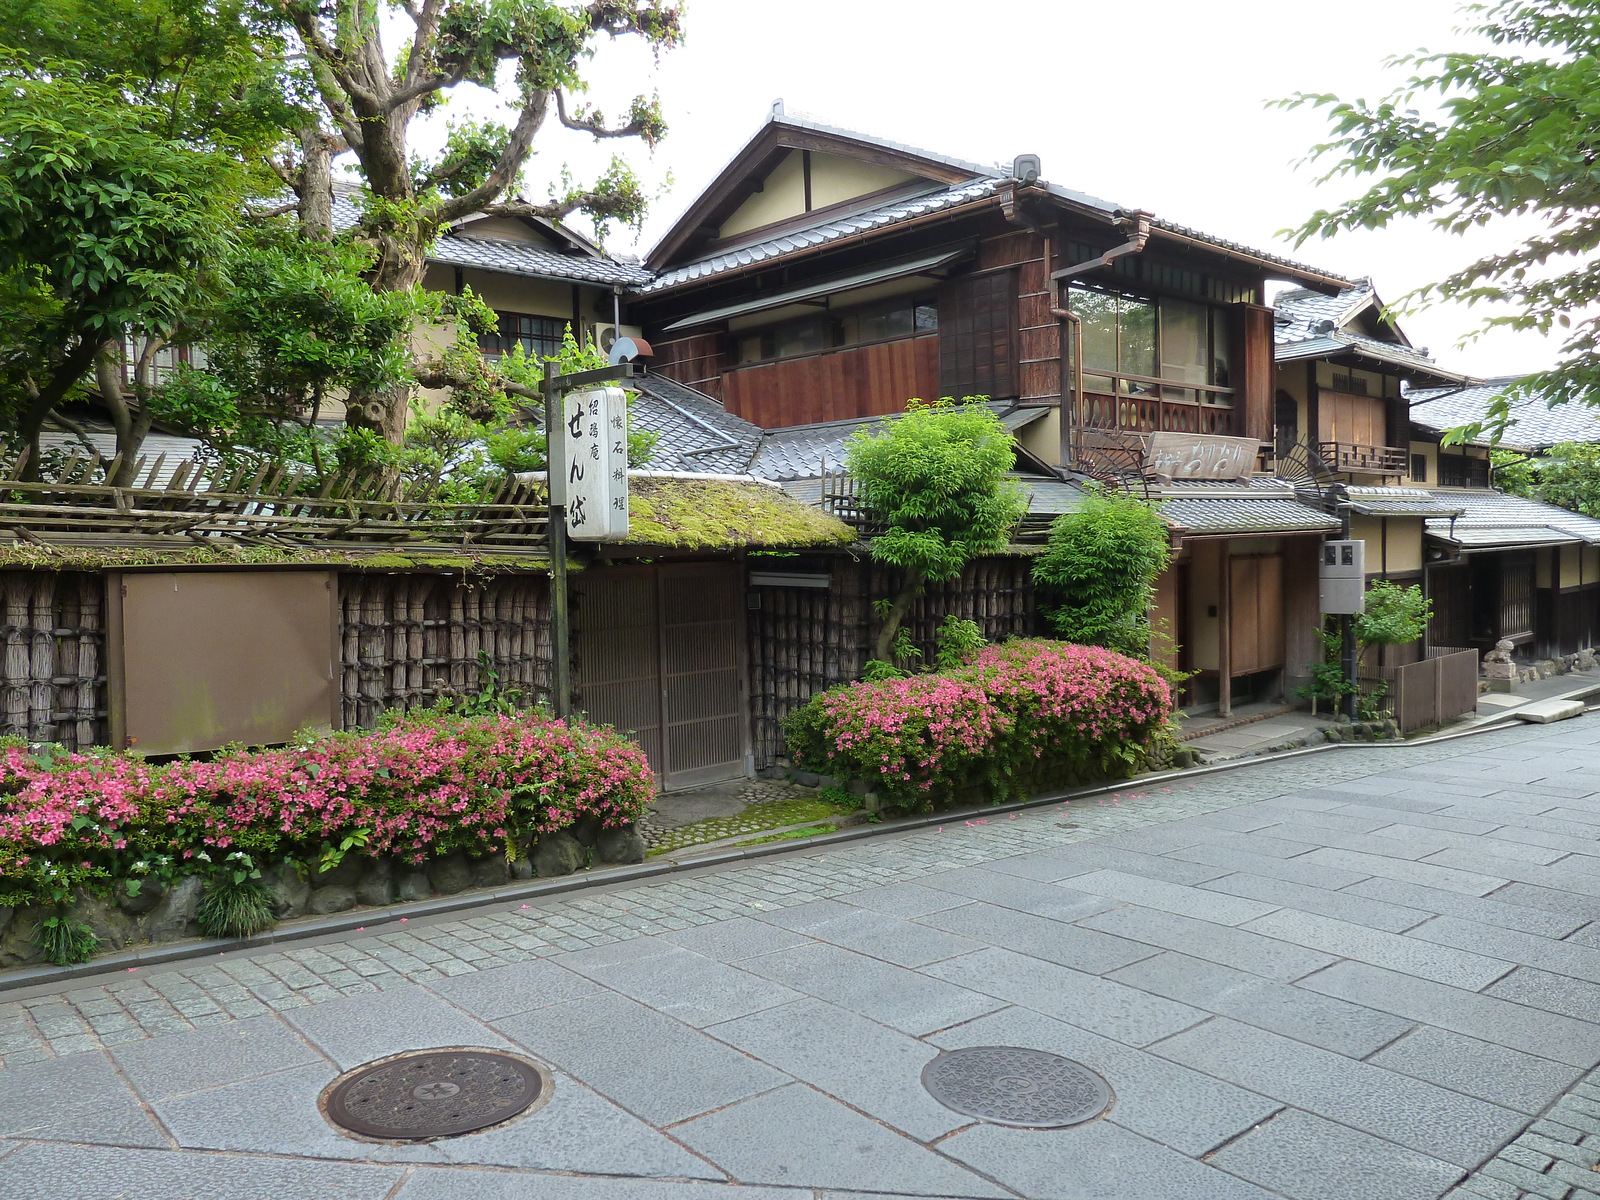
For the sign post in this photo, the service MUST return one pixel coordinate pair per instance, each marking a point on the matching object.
(567, 449)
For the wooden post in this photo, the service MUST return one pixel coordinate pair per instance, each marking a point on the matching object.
(556, 464)
(1225, 633)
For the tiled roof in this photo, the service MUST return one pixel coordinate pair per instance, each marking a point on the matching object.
(1245, 511)
(1312, 325)
(1046, 497)
(806, 451)
(1343, 342)
(1300, 312)
(1535, 425)
(1506, 537)
(524, 258)
(507, 257)
(1398, 502)
(1211, 239)
(1207, 488)
(695, 432)
(1486, 510)
(986, 182)
(829, 231)
(1049, 497)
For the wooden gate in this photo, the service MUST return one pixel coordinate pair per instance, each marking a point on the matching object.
(659, 654)
(1434, 690)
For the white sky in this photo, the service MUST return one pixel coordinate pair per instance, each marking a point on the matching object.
(1156, 104)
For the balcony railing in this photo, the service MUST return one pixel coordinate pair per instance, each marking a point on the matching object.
(1369, 460)
(1147, 414)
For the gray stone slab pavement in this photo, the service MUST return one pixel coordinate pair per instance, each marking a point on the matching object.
(1366, 974)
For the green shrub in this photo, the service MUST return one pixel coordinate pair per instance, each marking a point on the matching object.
(1097, 575)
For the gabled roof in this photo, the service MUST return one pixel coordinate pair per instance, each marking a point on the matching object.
(892, 212)
(1302, 313)
(1311, 325)
(459, 247)
(951, 183)
(1535, 424)
(780, 134)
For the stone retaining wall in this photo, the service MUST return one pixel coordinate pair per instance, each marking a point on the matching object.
(157, 913)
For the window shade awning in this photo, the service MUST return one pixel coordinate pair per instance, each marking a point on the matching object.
(823, 287)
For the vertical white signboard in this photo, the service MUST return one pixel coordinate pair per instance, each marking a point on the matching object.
(595, 428)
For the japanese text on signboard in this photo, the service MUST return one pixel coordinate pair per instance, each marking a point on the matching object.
(595, 430)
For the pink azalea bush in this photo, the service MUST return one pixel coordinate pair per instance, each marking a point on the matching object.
(906, 737)
(1021, 716)
(1076, 712)
(419, 786)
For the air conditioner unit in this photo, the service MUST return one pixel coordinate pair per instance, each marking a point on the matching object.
(606, 335)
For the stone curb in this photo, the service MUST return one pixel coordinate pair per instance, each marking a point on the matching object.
(372, 918)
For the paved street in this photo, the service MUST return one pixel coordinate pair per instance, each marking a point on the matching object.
(1365, 974)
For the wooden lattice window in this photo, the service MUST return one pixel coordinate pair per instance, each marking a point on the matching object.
(1516, 596)
(978, 335)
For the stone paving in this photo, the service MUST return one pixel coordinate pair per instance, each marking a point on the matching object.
(1364, 974)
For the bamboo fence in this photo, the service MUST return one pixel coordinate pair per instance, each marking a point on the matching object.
(411, 639)
(261, 505)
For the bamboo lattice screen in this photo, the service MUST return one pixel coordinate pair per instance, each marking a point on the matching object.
(411, 639)
(803, 640)
(52, 676)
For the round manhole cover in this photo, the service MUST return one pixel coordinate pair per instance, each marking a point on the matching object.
(1012, 1085)
(434, 1093)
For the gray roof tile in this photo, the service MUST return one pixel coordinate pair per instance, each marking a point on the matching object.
(1485, 510)
(511, 258)
(694, 432)
(1313, 325)
(1535, 424)
(881, 217)
(1246, 513)
(523, 258)
(1398, 502)
(806, 451)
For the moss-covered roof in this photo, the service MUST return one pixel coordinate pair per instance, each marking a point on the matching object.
(669, 513)
(719, 514)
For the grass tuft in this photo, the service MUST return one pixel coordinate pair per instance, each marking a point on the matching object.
(234, 909)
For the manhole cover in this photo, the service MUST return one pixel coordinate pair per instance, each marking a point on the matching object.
(1012, 1085)
(433, 1094)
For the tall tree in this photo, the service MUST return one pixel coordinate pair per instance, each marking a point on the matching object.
(369, 100)
(108, 229)
(1472, 139)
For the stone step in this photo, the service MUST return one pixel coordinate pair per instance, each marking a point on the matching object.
(1545, 711)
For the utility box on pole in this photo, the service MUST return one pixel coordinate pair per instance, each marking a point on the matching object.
(1344, 577)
